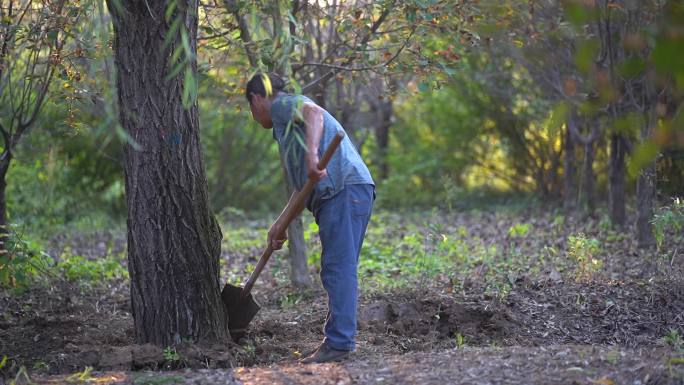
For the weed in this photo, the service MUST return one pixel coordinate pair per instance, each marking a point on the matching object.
(21, 260)
(290, 300)
(22, 377)
(613, 357)
(459, 339)
(519, 230)
(79, 377)
(673, 339)
(668, 217)
(250, 349)
(41, 365)
(584, 251)
(310, 231)
(79, 268)
(605, 223)
(171, 355)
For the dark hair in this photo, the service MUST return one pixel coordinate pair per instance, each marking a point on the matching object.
(256, 85)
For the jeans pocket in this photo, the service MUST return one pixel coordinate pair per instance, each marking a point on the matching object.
(360, 207)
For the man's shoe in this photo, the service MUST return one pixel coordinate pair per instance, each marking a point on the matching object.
(325, 353)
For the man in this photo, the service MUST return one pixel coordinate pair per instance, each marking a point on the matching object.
(341, 201)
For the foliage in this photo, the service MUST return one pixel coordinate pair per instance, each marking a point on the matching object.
(519, 230)
(674, 340)
(584, 252)
(171, 355)
(80, 269)
(25, 263)
(668, 217)
(21, 261)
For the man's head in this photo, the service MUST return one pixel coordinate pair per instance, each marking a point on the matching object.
(260, 91)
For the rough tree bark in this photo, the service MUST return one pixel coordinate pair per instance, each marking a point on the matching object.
(173, 240)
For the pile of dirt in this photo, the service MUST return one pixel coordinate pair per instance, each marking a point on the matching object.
(440, 318)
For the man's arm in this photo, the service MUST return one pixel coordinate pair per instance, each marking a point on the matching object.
(313, 123)
(278, 227)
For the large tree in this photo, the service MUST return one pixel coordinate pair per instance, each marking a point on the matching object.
(173, 239)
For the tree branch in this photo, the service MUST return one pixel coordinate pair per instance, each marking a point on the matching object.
(245, 36)
(364, 41)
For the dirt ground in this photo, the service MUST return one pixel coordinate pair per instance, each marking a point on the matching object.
(547, 329)
(576, 333)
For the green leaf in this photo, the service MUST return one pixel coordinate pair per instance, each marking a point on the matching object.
(189, 88)
(584, 57)
(171, 33)
(411, 15)
(169, 10)
(577, 12)
(645, 153)
(117, 6)
(176, 70)
(628, 125)
(52, 36)
(557, 117)
(631, 67)
(186, 43)
(668, 55)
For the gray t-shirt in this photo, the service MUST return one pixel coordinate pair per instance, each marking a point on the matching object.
(345, 167)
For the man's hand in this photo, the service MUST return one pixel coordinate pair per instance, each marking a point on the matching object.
(312, 169)
(273, 239)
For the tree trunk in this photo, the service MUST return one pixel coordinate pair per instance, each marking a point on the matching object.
(382, 136)
(4, 230)
(646, 194)
(589, 183)
(569, 184)
(295, 231)
(616, 187)
(299, 273)
(173, 240)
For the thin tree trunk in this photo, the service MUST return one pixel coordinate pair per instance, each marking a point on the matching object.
(589, 183)
(299, 273)
(616, 175)
(295, 231)
(646, 194)
(4, 230)
(173, 240)
(569, 175)
(382, 136)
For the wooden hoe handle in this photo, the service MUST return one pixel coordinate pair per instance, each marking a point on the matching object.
(292, 211)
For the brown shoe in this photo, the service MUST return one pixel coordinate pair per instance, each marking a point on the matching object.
(325, 353)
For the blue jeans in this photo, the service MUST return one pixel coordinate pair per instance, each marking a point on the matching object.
(342, 222)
